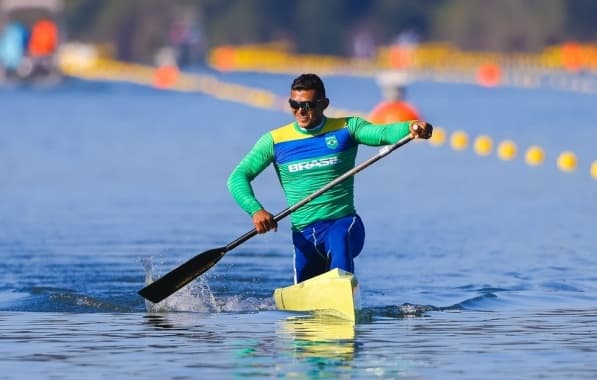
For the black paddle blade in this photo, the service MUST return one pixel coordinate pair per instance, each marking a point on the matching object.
(179, 277)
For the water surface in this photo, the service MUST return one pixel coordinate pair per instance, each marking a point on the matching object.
(473, 267)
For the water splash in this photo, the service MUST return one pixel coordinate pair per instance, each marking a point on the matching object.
(198, 297)
(239, 304)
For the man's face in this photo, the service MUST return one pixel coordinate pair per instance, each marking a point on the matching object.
(307, 107)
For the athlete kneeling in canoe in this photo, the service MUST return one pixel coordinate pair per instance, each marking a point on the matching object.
(307, 154)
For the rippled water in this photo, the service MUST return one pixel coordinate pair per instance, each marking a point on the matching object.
(473, 267)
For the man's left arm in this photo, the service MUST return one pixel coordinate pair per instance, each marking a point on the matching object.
(367, 133)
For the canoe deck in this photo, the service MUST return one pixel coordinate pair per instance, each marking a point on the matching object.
(334, 293)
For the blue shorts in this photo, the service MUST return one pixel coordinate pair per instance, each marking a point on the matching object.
(326, 245)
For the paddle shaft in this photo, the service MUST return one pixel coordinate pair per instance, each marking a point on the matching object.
(185, 273)
(381, 154)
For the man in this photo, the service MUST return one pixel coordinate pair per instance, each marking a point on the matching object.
(307, 154)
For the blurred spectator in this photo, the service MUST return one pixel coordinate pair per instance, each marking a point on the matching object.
(187, 39)
(44, 38)
(363, 45)
(403, 48)
(43, 45)
(13, 46)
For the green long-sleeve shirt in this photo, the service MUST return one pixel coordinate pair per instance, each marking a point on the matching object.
(306, 160)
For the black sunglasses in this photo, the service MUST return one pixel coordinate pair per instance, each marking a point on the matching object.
(306, 105)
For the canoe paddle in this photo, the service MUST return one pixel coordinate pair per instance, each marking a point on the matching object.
(187, 272)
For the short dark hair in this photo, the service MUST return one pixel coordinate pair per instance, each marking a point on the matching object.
(309, 82)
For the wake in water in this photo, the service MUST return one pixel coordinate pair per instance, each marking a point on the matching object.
(198, 297)
(408, 310)
(52, 299)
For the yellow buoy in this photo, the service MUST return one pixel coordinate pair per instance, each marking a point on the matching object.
(438, 137)
(506, 150)
(567, 162)
(483, 145)
(459, 140)
(535, 155)
(594, 169)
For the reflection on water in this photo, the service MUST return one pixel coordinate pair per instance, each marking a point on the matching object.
(324, 344)
(163, 320)
(452, 344)
(304, 347)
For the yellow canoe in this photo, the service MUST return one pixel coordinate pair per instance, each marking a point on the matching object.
(334, 293)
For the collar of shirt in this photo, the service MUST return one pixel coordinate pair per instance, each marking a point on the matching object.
(316, 128)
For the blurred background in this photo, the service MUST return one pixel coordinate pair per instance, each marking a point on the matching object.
(137, 29)
(383, 32)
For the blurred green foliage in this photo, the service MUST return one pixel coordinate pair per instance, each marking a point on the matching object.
(138, 27)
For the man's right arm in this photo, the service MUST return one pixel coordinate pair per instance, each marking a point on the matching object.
(239, 181)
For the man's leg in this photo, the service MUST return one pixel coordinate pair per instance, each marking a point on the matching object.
(308, 260)
(344, 241)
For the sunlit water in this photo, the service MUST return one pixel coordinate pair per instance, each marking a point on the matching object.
(473, 267)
